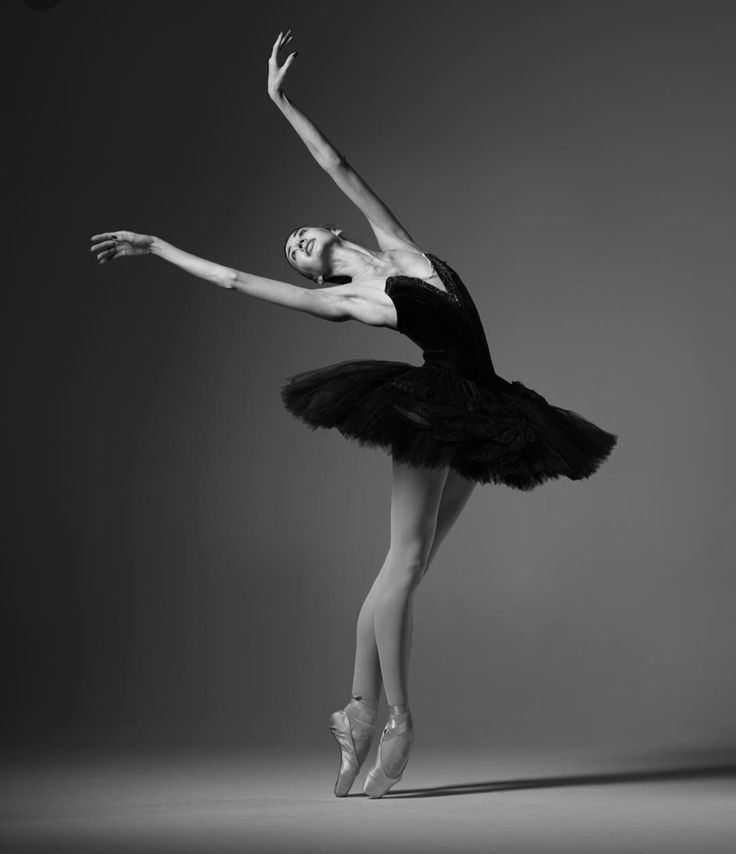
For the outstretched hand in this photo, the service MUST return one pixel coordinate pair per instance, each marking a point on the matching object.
(276, 73)
(116, 244)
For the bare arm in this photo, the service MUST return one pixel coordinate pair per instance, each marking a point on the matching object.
(319, 146)
(388, 230)
(327, 303)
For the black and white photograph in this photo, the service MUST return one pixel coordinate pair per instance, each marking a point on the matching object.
(369, 412)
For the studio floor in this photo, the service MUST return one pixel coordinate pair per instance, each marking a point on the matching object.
(278, 800)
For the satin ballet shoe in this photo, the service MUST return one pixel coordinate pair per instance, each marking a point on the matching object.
(393, 754)
(353, 728)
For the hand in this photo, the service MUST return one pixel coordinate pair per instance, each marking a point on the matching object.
(116, 244)
(276, 74)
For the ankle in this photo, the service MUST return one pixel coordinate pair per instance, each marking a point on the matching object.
(399, 710)
(371, 702)
(361, 711)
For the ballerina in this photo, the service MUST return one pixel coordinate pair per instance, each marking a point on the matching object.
(449, 424)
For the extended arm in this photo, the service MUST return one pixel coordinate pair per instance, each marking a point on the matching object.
(327, 303)
(322, 303)
(388, 230)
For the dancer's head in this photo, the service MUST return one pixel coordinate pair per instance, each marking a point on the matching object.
(308, 250)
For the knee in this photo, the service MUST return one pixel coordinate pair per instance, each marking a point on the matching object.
(408, 565)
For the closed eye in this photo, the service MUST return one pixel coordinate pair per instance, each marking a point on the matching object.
(299, 234)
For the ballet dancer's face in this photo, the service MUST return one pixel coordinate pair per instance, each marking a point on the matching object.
(308, 250)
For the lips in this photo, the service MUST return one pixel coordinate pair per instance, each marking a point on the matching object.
(310, 246)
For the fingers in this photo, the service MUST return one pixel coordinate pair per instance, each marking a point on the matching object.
(108, 255)
(275, 47)
(281, 40)
(105, 244)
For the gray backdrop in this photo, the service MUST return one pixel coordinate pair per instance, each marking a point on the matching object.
(185, 562)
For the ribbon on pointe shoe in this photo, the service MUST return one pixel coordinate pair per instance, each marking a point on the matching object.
(353, 728)
(393, 754)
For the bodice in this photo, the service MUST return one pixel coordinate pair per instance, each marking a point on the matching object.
(444, 324)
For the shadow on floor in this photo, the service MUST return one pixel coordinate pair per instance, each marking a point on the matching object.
(709, 771)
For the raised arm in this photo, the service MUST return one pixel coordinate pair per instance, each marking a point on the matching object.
(389, 232)
(326, 303)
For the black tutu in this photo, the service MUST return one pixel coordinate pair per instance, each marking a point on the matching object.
(431, 416)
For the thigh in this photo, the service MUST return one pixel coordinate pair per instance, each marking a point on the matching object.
(455, 495)
(416, 494)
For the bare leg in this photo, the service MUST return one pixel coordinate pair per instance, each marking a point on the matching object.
(367, 679)
(383, 628)
(455, 495)
(415, 500)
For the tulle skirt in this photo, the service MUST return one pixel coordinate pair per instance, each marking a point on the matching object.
(430, 416)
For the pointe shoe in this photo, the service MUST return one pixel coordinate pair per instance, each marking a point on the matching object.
(354, 737)
(393, 754)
